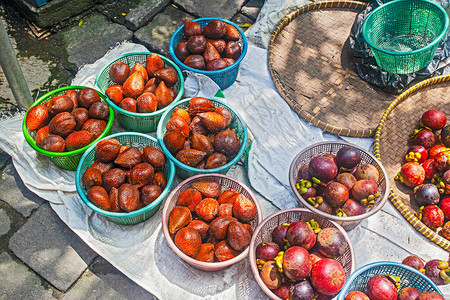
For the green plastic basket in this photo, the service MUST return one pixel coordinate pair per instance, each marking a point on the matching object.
(185, 171)
(403, 35)
(64, 160)
(140, 141)
(138, 122)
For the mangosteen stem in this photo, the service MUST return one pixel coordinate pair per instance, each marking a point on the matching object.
(314, 225)
(443, 265)
(316, 182)
(340, 213)
(445, 275)
(399, 177)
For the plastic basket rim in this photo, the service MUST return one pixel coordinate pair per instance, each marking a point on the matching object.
(367, 214)
(252, 256)
(236, 63)
(373, 265)
(423, 49)
(142, 115)
(32, 141)
(188, 259)
(192, 169)
(144, 209)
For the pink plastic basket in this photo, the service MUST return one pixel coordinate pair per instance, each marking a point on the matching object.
(227, 183)
(263, 233)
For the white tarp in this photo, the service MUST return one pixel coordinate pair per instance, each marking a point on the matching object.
(278, 134)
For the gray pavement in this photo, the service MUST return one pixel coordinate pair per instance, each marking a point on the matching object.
(40, 257)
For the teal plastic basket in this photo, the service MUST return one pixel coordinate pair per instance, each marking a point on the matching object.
(138, 122)
(140, 141)
(64, 160)
(408, 276)
(225, 77)
(403, 35)
(185, 171)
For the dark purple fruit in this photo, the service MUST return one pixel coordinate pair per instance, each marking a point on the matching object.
(301, 234)
(414, 262)
(432, 271)
(331, 242)
(427, 194)
(348, 157)
(323, 168)
(279, 235)
(301, 291)
(409, 293)
(352, 208)
(296, 263)
(267, 251)
(365, 191)
(445, 136)
(367, 171)
(336, 194)
(381, 288)
(322, 205)
(303, 173)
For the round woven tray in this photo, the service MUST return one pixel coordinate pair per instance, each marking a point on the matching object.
(391, 142)
(311, 63)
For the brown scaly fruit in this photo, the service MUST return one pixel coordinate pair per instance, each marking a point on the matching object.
(96, 127)
(190, 157)
(163, 96)
(119, 72)
(174, 141)
(134, 85)
(140, 68)
(62, 124)
(129, 158)
(99, 197)
(88, 96)
(37, 117)
(78, 139)
(60, 104)
(153, 63)
(53, 143)
(168, 75)
(214, 122)
(107, 150)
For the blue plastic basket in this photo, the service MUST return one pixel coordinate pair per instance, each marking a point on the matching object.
(185, 171)
(408, 276)
(225, 77)
(140, 141)
(138, 122)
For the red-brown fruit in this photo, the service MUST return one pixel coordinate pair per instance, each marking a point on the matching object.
(140, 68)
(381, 288)
(113, 178)
(73, 95)
(53, 143)
(141, 174)
(179, 217)
(146, 103)
(129, 104)
(41, 134)
(188, 240)
(62, 124)
(78, 139)
(99, 110)
(215, 29)
(60, 104)
(356, 295)
(168, 75)
(196, 44)
(91, 177)
(192, 28)
(128, 197)
(296, 263)
(181, 50)
(81, 115)
(218, 44)
(107, 150)
(189, 198)
(223, 251)
(115, 93)
(154, 156)
(208, 188)
(232, 50)
(95, 126)
(195, 61)
(114, 200)
(129, 158)
(433, 119)
(119, 72)
(206, 253)
(134, 85)
(37, 117)
(99, 197)
(153, 63)
(244, 209)
(150, 193)
(174, 141)
(87, 97)
(432, 216)
(177, 123)
(212, 121)
(207, 209)
(413, 174)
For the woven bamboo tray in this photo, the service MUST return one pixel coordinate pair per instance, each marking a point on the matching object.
(391, 142)
(312, 66)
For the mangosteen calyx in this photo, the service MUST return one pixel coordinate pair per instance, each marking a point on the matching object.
(394, 279)
(314, 225)
(279, 261)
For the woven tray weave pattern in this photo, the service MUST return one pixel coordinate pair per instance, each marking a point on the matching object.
(313, 69)
(391, 142)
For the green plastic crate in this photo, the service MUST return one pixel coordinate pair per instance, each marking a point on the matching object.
(403, 35)
(64, 160)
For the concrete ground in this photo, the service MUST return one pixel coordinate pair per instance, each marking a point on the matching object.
(40, 257)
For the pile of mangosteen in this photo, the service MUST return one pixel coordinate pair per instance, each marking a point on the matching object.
(427, 170)
(339, 184)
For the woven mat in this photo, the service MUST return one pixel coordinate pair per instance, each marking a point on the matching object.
(311, 64)
(391, 142)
